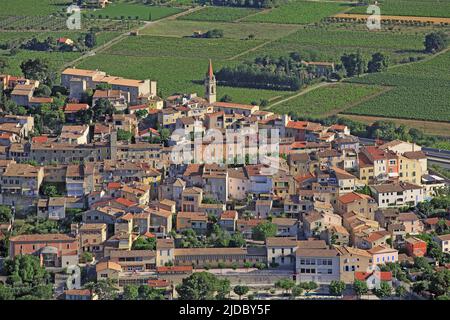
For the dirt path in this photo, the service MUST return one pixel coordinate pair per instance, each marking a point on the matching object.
(122, 36)
(253, 14)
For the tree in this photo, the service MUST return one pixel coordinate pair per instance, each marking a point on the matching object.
(360, 288)
(435, 42)
(102, 109)
(297, 291)
(384, 291)
(140, 114)
(240, 290)
(237, 240)
(198, 286)
(440, 282)
(38, 69)
(123, 135)
(226, 98)
(43, 91)
(143, 243)
(130, 292)
(337, 287)
(104, 289)
(420, 286)
(49, 190)
(309, 286)
(3, 65)
(164, 133)
(353, 64)
(90, 39)
(400, 291)
(264, 230)
(149, 293)
(25, 270)
(6, 293)
(5, 213)
(378, 63)
(26, 279)
(223, 289)
(86, 257)
(285, 284)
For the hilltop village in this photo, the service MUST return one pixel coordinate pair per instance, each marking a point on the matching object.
(90, 183)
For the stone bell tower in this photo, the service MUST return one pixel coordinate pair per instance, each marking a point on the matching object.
(210, 84)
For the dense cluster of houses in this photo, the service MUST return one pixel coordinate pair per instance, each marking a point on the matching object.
(326, 227)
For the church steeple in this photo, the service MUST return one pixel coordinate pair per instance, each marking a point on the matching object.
(210, 84)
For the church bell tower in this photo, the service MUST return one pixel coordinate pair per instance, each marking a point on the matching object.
(210, 84)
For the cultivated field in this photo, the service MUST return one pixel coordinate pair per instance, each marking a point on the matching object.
(174, 75)
(431, 20)
(185, 28)
(428, 127)
(142, 46)
(419, 8)
(328, 43)
(421, 91)
(32, 7)
(226, 14)
(299, 12)
(131, 11)
(327, 100)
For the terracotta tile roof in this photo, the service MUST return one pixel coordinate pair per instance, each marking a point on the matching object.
(229, 215)
(101, 266)
(352, 197)
(174, 269)
(158, 283)
(39, 139)
(114, 185)
(125, 202)
(233, 105)
(382, 275)
(78, 292)
(281, 242)
(74, 107)
(52, 237)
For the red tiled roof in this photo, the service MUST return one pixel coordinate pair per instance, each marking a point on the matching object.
(74, 107)
(125, 202)
(39, 139)
(174, 269)
(114, 185)
(158, 283)
(352, 197)
(383, 275)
